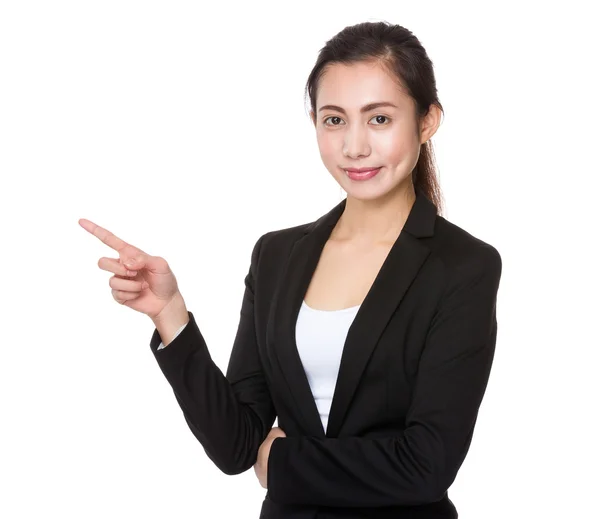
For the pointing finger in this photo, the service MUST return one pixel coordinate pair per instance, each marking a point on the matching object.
(104, 235)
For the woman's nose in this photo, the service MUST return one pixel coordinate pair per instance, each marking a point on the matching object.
(356, 143)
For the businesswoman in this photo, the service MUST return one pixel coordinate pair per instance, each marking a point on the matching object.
(369, 332)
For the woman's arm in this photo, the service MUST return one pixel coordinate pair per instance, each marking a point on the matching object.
(229, 415)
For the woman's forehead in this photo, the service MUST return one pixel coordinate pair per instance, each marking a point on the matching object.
(354, 86)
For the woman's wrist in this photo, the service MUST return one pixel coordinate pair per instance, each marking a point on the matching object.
(171, 318)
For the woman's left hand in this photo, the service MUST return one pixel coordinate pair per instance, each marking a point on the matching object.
(262, 461)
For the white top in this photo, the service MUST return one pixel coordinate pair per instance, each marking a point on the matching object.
(320, 339)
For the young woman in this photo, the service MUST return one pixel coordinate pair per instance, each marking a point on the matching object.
(369, 333)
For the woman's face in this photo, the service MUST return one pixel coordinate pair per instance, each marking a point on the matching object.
(350, 134)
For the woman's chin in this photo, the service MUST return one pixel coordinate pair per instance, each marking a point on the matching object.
(365, 194)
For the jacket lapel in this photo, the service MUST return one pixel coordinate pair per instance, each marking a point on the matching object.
(393, 280)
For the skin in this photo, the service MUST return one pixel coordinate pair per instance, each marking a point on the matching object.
(376, 209)
(262, 460)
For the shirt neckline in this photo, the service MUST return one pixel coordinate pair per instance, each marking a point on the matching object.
(329, 311)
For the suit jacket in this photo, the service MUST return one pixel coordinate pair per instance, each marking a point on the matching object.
(414, 369)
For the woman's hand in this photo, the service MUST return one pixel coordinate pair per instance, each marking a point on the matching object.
(142, 282)
(262, 461)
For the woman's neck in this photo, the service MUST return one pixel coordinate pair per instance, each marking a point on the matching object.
(374, 221)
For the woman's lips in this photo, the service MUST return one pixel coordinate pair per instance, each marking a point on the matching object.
(362, 173)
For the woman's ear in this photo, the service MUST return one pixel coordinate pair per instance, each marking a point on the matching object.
(430, 123)
(313, 118)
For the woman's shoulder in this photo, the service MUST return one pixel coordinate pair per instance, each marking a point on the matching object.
(279, 237)
(455, 246)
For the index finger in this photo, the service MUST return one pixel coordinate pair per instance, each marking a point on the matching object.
(104, 235)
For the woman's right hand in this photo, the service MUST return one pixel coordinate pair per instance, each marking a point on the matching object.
(142, 282)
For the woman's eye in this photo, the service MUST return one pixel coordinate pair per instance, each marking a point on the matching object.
(332, 117)
(380, 117)
(337, 119)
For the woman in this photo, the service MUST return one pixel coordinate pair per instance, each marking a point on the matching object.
(369, 333)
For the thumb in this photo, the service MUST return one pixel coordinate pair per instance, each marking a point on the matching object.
(134, 262)
(145, 261)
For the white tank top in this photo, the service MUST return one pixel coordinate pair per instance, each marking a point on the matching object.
(320, 337)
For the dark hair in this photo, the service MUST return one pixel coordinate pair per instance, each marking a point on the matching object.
(401, 53)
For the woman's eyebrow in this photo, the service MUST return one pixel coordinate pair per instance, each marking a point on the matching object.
(366, 108)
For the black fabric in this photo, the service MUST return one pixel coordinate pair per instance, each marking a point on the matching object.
(413, 373)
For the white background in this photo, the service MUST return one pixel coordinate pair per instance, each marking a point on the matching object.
(182, 128)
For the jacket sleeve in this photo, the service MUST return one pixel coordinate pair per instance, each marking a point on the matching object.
(161, 345)
(419, 465)
(230, 414)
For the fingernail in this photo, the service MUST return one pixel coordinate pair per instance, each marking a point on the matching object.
(130, 263)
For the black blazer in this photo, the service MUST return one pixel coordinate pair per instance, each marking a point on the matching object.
(413, 373)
